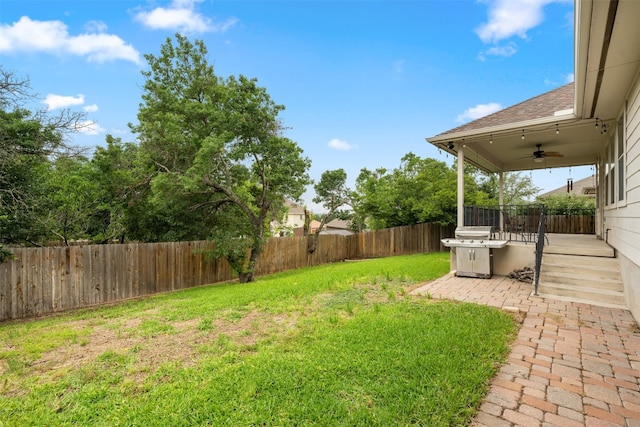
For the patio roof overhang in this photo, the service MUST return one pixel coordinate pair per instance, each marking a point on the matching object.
(502, 148)
(606, 62)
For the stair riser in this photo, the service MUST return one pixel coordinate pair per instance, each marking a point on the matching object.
(588, 272)
(581, 283)
(586, 261)
(583, 295)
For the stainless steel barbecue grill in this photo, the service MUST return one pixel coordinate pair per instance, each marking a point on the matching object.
(473, 246)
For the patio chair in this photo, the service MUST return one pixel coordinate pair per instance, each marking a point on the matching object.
(512, 226)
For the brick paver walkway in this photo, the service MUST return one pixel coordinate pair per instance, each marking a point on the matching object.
(572, 364)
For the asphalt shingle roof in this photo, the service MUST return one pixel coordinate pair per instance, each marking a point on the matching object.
(541, 106)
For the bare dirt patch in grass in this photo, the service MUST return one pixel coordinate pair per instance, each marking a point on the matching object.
(180, 345)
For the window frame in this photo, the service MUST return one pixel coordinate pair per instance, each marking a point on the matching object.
(615, 168)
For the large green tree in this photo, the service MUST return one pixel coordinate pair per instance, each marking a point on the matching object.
(72, 199)
(420, 190)
(213, 153)
(332, 193)
(112, 169)
(29, 140)
(518, 187)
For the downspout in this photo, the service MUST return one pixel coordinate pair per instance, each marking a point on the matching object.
(461, 185)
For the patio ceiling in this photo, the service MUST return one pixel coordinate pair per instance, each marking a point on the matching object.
(578, 141)
(606, 63)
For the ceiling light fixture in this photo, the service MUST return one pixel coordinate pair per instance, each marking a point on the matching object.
(557, 129)
(491, 139)
(522, 133)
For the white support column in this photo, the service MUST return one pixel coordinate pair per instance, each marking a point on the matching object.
(460, 185)
(501, 200)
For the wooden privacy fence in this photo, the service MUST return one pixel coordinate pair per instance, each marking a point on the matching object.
(571, 224)
(526, 218)
(41, 281)
(401, 240)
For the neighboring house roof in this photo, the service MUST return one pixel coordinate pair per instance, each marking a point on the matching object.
(582, 187)
(337, 231)
(338, 224)
(541, 106)
(294, 208)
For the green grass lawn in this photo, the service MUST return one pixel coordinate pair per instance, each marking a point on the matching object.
(342, 344)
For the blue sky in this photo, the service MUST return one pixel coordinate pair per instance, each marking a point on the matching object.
(363, 81)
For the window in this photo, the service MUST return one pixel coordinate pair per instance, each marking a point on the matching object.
(608, 175)
(614, 164)
(621, 142)
(612, 173)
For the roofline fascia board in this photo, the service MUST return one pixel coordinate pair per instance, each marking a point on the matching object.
(496, 130)
(611, 20)
(582, 39)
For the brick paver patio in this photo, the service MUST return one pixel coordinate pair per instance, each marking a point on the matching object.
(572, 364)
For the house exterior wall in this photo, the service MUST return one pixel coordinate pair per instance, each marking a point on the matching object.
(631, 278)
(295, 220)
(622, 218)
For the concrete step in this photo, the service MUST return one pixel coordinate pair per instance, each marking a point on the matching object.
(600, 297)
(580, 260)
(595, 248)
(581, 278)
(581, 281)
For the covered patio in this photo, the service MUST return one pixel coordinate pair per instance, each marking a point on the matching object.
(591, 121)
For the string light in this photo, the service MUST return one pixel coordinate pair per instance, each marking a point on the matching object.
(491, 139)
(557, 129)
(522, 133)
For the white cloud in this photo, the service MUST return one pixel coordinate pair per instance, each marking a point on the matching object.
(59, 101)
(95, 27)
(478, 111)
(27, 35)
(182, 16)
(338, 144)
(508, 18)
(89, 128)
(90, 108)
(506, 51)
(569, 78)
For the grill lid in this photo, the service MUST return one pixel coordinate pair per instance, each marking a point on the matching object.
(474, 232)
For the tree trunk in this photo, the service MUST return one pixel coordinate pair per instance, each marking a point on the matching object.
(246, 277)
(307, 223)
(312, 243)
(249, 274)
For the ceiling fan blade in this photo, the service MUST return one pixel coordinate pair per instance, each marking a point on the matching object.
(553, 154)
